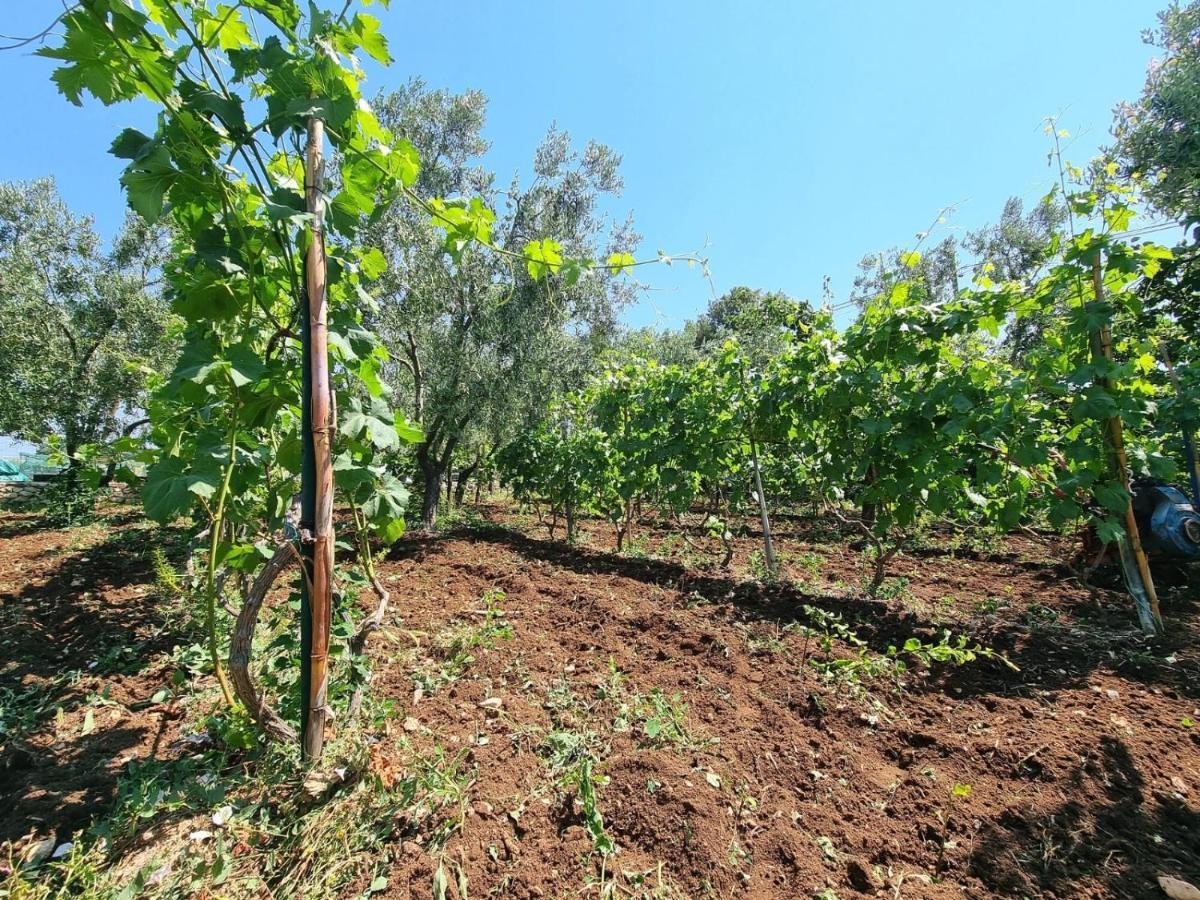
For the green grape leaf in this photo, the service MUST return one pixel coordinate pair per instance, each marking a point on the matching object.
(171, 488)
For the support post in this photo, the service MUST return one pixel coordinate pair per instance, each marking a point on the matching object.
(1137, 568)
(316, 515)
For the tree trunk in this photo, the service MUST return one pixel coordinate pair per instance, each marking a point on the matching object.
(71, 448)
(869, 509)
(768, 542)
(464, 475)
(1133, 556)
(429, 502)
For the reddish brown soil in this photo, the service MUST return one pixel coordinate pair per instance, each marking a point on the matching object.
(1084, 780)
(79, 621)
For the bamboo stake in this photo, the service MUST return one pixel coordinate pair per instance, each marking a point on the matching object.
(317, 478)
(1114, 434)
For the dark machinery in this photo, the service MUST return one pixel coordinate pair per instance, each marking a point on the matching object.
(1168, 522)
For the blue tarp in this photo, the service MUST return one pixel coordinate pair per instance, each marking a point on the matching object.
(9, 472)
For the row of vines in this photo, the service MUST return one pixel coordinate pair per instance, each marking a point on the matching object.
(913, 416)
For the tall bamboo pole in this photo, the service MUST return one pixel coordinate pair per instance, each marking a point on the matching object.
(316, 515)
(1114, 438)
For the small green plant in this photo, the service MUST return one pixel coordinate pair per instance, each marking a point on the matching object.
(458, 651)
(949, 650)
(69, 502)
(585, 781)
(990, 606)
(892, 589)
(960, 792)
(664, 721)
(1037, 614)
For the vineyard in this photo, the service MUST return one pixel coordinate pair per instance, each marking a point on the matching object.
(365, 549)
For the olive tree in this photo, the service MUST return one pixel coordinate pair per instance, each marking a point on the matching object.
(479, 336)
(85, 328)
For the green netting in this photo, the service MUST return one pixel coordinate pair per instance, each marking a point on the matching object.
(34, 464)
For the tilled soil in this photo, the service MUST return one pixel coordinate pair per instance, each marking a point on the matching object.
(1077, 776)
(82, 638)
(723, 766)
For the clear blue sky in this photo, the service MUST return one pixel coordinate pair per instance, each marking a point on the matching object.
(792, 136)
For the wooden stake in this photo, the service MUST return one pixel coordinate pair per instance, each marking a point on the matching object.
(1114, 435)
(317, 493)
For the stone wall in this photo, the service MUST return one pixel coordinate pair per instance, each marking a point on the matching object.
(17, 492)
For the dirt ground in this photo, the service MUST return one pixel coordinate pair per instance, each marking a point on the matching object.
(723, 766)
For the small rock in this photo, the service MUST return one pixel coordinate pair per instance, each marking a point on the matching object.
(1178, 890)
(1112, 694)
(40, 852)
(492, 704)
(1179, 784)
(483, 809)
(411, 724)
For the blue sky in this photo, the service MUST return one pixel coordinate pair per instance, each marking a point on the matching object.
(792, 137)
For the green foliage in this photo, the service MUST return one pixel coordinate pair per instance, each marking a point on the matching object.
(224, 441)
(85, 330)
(1156, 134)
(585, 782)
(664, 719)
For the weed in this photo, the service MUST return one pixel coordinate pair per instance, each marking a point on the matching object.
(763, 643)
(458, 651)
(166, 580)
(24, 708)
(664, 721)
(809, 564)
(891, 589)
(756, 564)
(585, 782)
(1037, 614)
(990, 606)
